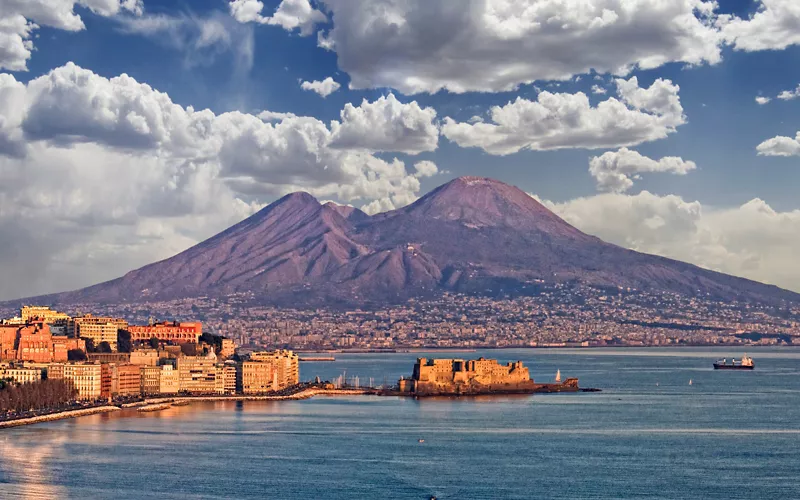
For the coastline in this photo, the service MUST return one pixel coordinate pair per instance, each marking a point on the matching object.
(157, 404)
(58, 416)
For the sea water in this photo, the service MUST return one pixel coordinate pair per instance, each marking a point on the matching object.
(648, 434)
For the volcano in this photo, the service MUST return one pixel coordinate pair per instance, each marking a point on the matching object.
(472, 235)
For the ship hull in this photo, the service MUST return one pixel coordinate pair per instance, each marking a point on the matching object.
(732, 367)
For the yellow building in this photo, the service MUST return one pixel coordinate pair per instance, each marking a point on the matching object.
(86, 377)
(257, 377)
(98, 332)
(144, 357)
(47, 315)
(229, 374)
(76, 326)
(201, 375)
(286, 364)
(20, 374)
(169, 382)
(228, 348)
(151, 379)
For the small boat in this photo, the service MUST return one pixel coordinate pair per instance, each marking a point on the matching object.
(746, 363)
(690, 381)
(558, 376)
(421, 441)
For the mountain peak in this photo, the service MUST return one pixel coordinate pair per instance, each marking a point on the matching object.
(480, 201)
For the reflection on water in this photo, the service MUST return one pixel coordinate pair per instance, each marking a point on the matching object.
(647, 435)
(24, 465)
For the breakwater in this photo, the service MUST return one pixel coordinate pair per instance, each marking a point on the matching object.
(58, 416)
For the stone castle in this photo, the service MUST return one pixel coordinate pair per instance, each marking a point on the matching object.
(458, 376)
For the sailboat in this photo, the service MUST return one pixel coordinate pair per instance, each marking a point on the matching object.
(690, 381)
(558, 376)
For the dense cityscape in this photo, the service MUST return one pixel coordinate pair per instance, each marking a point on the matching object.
(560, 315)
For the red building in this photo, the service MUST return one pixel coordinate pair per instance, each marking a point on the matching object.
(34, 342)
(171, 331)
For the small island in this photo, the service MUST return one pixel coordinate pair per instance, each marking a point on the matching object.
(459, 377)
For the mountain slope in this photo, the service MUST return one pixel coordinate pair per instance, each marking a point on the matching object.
(472, 235)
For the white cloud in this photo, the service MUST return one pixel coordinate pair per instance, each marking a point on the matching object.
(615, 170)
(775, 26)
(597, 89)
(99, 175)
(780, 146)
(200, 39)
(290, 15)
(788, 95)
(324, 88)
(493, 45)
(761, 100)
(558, 121)
(20, 18)
(751, 240)
(386, 125)
(426, 168)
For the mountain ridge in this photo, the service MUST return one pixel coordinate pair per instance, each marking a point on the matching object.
(471, 235)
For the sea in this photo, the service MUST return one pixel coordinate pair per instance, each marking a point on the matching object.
(666, 425)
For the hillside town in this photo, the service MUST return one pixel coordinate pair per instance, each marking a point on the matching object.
(107, 359)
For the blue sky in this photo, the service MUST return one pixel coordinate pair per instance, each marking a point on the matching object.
(729, 202)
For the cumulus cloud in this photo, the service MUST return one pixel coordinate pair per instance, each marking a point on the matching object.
(324, 88)
(386, 125)
(780, 146)
(496, 45)
(426, 168)
(20, 18)
(558, 121)
(788, 95)
(290, 15)
(761, 100)
(597, 89)
(752, 240)
(99, 175)
(616, 170)
(775, 26)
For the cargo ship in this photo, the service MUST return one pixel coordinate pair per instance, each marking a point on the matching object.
(746, 363)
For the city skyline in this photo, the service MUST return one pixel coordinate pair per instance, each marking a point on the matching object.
(136, 129)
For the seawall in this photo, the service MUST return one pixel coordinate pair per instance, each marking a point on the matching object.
(58, 416)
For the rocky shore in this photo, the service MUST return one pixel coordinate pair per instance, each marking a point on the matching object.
(156, 404)
(58, 416)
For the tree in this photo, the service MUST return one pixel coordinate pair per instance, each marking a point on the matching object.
(89, 344)
(104, 347)
(124, 343)
(76, 355)
(154, 342)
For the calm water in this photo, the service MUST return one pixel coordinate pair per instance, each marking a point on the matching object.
(649, 434)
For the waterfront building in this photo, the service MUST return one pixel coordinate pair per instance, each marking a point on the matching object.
(169, 331)
(129, 380)
(85, 377)
(286, 363)
(200, 374)
(457, 375)
(256, 377)
(151, 379)
(145, 357)
(8, 340)
(168, 381)
(108, 374)
(229, 374)
(20, 374)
